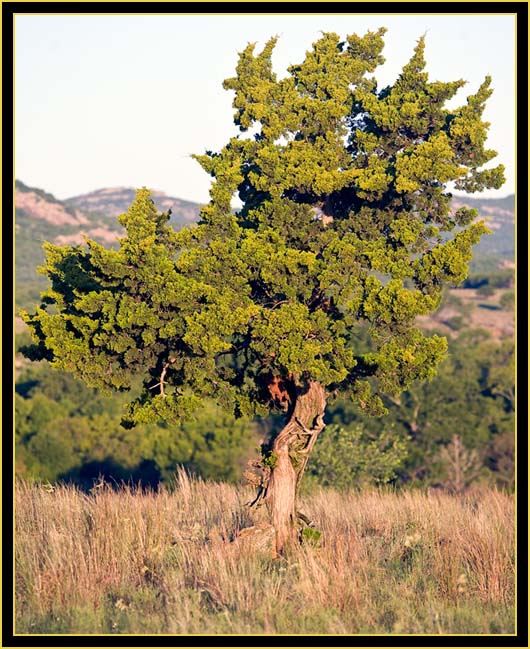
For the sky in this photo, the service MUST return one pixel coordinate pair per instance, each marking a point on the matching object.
(124, 100)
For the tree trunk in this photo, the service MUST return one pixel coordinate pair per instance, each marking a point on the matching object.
(288, 459)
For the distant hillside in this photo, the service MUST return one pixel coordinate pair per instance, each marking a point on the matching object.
(498, 249)
(41, 216)
(505, 205)
(113, 201)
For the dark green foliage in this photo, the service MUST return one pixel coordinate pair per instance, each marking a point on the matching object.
(344, 198)
(351, 457)
(496, 279)
(214, 445)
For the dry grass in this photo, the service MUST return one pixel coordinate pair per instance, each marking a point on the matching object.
(131, 562)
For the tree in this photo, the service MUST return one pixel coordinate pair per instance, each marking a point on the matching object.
(344, 199)
(461, 464)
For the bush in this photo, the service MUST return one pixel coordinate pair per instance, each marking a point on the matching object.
(507, 301)
(486, 290)
(498, 279)
(345, 458)
(455, 322)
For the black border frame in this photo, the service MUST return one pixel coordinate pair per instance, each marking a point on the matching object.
(9, 639)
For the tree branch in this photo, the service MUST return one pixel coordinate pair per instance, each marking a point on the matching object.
(162, 377)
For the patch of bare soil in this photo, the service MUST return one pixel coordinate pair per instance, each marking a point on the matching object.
(477, 312)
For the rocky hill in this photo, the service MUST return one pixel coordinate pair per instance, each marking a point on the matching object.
(40, 216)
(113, 201)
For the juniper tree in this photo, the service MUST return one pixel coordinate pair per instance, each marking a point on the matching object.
(345, 223)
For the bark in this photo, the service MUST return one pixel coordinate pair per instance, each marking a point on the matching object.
(288, 459)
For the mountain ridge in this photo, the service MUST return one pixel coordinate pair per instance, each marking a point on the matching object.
(113, 201)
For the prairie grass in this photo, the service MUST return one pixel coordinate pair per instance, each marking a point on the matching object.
(144, 562)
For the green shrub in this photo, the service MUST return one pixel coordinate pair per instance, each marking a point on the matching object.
(350, 457)
(507, 300)
(486, 290)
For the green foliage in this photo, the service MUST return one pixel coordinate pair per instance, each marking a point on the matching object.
(486, 290)
(507, 300)
(65, 430)
(214, 445)
(49, 219)
(270, 460)
(496, 279)
(346, 458)
(311, 536)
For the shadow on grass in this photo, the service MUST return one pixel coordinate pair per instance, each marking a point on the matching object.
(490, 307)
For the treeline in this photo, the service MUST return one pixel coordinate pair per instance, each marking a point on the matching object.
(452, 432)
(498, 279)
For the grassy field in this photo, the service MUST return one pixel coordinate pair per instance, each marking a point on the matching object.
(387, 563)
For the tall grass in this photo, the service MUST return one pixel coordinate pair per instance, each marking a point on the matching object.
(128, 561)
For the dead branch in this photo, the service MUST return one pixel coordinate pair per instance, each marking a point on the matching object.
(162, 377)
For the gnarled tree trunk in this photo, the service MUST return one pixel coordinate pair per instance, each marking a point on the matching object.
(288, 459)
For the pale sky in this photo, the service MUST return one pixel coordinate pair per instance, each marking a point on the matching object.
(111, 100)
